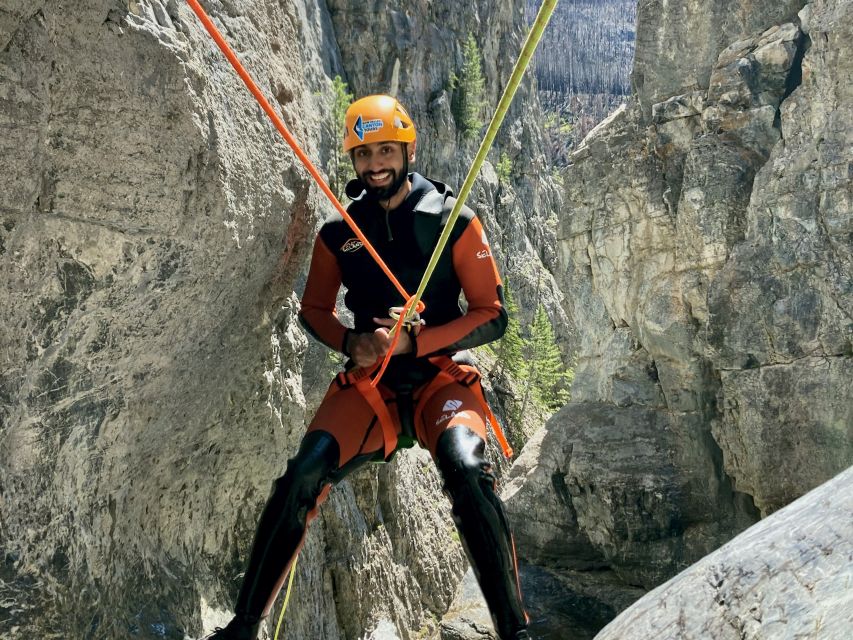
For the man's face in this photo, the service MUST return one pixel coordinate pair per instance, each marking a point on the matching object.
(382, 167)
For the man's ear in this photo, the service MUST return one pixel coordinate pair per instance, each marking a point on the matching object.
(412, 146)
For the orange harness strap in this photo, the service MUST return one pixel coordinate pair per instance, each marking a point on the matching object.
(361, 380)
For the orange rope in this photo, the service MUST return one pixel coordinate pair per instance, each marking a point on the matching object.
(395, 337)
(291, 141)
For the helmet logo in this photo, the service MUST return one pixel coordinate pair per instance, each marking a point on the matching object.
(353, 244)
(366, 126)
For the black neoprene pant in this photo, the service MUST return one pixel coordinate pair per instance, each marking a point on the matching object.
(477, 511)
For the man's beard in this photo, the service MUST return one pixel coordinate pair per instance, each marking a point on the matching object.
(386, 193)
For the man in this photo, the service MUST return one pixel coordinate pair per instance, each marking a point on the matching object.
(423, 396)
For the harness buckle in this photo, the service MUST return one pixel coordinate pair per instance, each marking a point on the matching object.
(353, 376)
(459, 374)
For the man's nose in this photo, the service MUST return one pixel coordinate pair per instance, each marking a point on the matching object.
(376, 163)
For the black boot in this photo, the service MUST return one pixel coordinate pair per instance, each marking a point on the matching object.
(483, 527)
(282, 527)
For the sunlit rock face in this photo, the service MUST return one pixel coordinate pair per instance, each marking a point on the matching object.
(154, 232)
(147, 400)
(678, 43)
(705, 249)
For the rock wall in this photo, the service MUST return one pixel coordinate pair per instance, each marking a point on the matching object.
(788, 576)
(153, 231)
(706, 258)
(678, 41)
(146, 400)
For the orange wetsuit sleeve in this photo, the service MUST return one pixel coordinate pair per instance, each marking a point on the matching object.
(317, 314)
(486, 318)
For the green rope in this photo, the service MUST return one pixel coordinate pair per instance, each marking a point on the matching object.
(521, 64)
(286, 596)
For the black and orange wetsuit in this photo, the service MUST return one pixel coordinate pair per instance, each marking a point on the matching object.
(450, 422)
(405, 239)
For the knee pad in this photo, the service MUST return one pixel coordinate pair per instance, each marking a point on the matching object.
(483, 526)
(308, 471)
(460, 458)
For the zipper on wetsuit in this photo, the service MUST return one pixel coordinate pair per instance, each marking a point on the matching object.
(388, 226)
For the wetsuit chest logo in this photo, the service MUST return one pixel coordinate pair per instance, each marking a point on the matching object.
(353, 244)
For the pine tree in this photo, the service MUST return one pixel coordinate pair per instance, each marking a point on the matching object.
(510, 349)
(340, 168)
(470, 94)
(548, 377)
(504, 169)
(510, 370)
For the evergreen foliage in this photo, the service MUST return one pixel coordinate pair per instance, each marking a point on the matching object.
(340, 169)
(547, 377)
(504, 168)
(510, 349)
(530, 366)
(470, 85)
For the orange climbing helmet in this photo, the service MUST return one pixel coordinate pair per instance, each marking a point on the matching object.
(377, 119)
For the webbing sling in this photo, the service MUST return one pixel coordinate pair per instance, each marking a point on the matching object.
(361, 379)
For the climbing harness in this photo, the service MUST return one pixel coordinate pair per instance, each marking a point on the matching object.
(449, 371)
(367, 379)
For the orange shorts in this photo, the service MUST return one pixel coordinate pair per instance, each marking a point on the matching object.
(346, 415)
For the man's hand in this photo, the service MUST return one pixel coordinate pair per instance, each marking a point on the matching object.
(404, 343)
(366, 348)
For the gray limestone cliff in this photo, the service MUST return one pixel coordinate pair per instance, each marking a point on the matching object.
(706, 253)
(788, 576)
(154, 231)
(146, 401)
